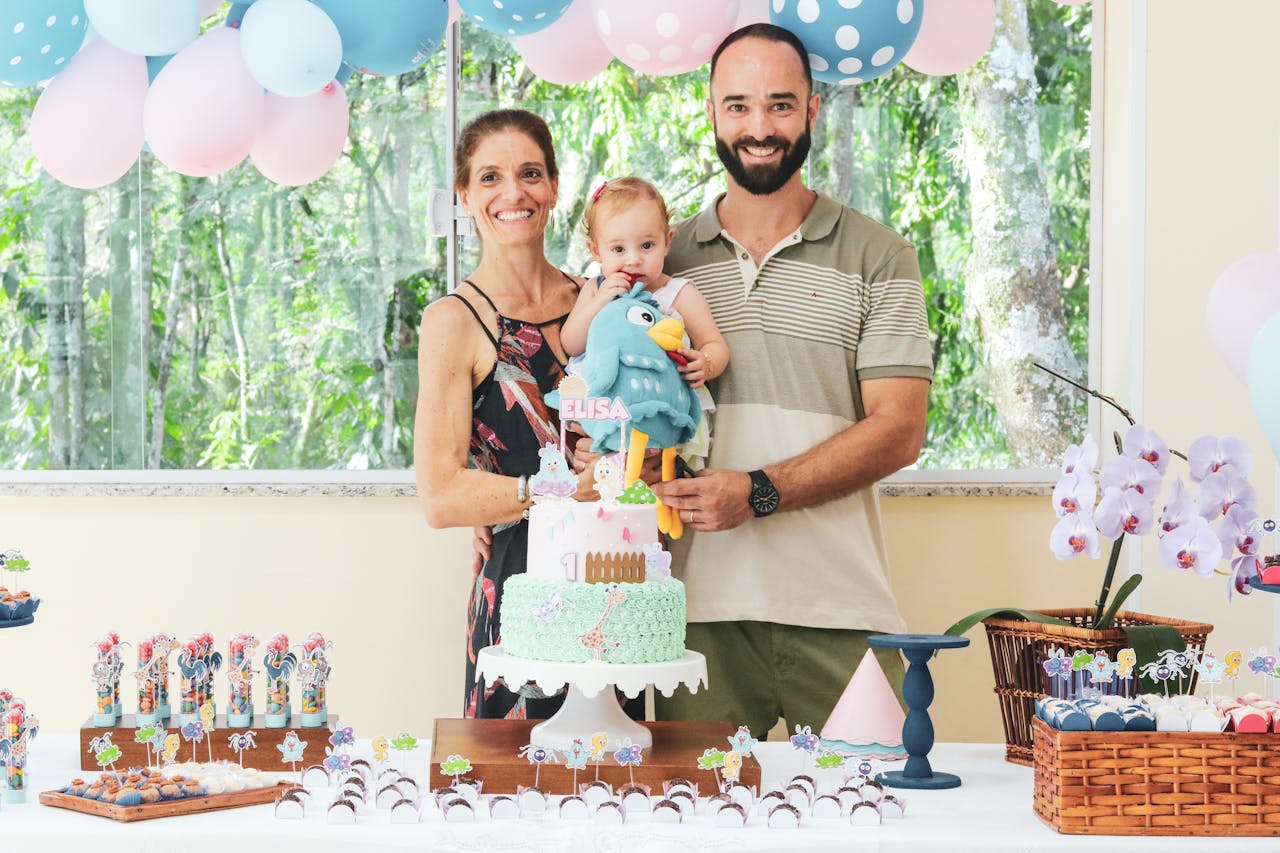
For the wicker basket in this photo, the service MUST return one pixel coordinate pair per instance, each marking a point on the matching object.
(1157, 783)
(1019, 647)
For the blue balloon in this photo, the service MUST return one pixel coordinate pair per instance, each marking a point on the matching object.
(38, 38)
(389, 37)
(155, 63)
(851, 45)
(1264, 380)
(514, 17)
(236, 13)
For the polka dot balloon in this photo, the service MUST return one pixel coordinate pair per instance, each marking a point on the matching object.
(851, 41)
(38, 38)
(664, 37)
(515, 17)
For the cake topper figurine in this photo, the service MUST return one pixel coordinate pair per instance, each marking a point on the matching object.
(608, 476)
(555, 477)
(632, 363)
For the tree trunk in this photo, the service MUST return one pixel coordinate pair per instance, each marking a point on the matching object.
(234, 309)
(1013, 279)
(64, 323)
(127, 355)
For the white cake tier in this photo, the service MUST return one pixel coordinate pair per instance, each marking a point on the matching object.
(562, 533)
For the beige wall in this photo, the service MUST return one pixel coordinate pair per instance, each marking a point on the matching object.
(391, 593)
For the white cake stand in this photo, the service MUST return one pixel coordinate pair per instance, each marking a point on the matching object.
(588, 707)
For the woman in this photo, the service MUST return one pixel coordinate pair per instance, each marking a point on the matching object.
(488, 354)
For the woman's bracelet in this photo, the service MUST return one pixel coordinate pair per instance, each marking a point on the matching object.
(522, 488)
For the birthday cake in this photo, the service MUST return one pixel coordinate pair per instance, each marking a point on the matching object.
(598, 586)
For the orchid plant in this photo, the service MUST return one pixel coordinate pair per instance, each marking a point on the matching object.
(1196, 529)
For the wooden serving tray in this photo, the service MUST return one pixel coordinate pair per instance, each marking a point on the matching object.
(169, 808)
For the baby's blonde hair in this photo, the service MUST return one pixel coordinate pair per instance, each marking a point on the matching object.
(613, 195)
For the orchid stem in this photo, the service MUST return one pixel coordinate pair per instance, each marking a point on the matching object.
(1106, 582)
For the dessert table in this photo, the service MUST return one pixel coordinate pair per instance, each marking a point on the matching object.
(991, 810)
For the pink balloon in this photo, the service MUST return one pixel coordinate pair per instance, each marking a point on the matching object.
(86, 129)
(301, 138)
(545, 53)
(752, 12)
(953, 35)
(208, 7)
(204, 109)
(664, 36)
(1244, 296)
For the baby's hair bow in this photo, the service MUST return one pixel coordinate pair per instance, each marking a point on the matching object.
(595, 194)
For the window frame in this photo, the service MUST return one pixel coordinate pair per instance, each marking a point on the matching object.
(381, 482)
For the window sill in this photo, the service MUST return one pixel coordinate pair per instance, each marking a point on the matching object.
(400, 484)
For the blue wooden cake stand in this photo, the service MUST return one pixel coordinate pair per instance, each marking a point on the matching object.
(917, 690)
(17, 623)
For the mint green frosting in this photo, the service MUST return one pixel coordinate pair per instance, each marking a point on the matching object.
(545, 620)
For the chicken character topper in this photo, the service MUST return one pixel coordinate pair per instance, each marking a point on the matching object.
(632, 356)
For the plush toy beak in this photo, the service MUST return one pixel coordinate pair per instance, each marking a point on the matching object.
(668, 333)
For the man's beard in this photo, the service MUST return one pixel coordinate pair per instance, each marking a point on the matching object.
(765, 179)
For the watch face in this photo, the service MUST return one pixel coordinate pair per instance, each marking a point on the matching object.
(764, 500)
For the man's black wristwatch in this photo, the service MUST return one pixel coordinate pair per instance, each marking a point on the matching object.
(764, 497)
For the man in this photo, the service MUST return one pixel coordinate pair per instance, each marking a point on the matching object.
(826, 393)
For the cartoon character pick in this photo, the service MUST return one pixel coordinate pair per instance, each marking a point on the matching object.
(732, 765)
(806, 741)
(104, 751)
(291, 750)
(742, 742)
(629, 755)
(380, 746)
(240, 741)
(575, 758)
(712, 759)
(455, 765)
(599, 743)
(538, 756)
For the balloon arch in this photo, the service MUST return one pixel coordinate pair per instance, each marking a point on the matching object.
(268, 84)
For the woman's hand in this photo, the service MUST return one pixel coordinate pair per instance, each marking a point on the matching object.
(698, 369)
(483, 546)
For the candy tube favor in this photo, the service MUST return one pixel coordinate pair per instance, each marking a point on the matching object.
(313, 674)
(106, 678)
(279, 663)
(240, 679)
(148, 683)
(191, 668)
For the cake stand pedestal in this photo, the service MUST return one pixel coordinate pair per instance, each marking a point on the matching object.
(589, 707)
(917, 690)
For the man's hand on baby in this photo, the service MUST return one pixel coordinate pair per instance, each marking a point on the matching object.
(695, 372)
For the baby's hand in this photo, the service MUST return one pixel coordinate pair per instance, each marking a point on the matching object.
(696, 371)
(614, 286)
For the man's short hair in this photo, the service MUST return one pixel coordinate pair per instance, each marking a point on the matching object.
(768, 32)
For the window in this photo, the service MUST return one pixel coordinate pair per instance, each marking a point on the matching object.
(175, 323)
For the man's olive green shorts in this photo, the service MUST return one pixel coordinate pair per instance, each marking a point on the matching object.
(762, 671)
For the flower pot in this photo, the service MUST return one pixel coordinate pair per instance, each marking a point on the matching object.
(1018, 649)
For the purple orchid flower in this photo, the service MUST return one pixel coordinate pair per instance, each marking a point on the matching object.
(1178, 508)
(1234, 531)
(1143, 443)
(1125, 472)
(1074, 535)
(1243, 567)
(1075, 492)
(1124, 511)
(1210, 453)
(1081, 458)
(1192, 546)
(1222, 490)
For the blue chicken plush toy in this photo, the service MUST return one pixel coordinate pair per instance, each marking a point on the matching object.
(631, 355)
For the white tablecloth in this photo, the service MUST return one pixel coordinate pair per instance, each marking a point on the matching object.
(990, 811)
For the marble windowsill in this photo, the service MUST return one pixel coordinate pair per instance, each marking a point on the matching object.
(399, 484)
